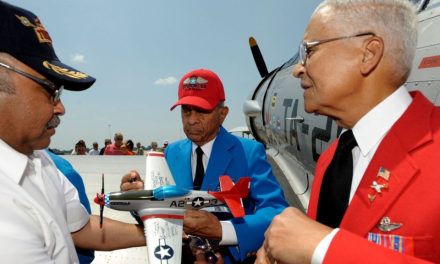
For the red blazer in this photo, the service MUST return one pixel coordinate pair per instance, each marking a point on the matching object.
(410, 152)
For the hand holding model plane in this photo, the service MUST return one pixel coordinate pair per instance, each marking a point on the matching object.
(168, 211)
(196, 222)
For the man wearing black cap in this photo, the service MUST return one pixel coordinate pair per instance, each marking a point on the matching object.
(209, 152)
(40, 209)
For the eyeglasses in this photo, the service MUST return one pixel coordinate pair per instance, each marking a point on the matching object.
(305, 46)
(50, 87)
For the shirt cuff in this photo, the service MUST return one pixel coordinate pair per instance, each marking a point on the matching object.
(229, 236)
(321, 249)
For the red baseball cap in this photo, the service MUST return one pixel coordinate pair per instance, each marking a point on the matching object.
(200, 88)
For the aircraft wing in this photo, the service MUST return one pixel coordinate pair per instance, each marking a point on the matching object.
(157, 172)
(163, 232)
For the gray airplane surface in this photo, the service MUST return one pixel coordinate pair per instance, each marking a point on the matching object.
(295, 139)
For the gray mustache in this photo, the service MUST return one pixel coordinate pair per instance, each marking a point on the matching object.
(54, 122)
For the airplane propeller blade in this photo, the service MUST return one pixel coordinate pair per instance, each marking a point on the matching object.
(99, 199)
(101, 209)
(258, 58)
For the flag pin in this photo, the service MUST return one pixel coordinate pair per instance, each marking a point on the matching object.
(384, 173)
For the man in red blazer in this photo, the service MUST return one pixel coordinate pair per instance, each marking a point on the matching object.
(354, 59)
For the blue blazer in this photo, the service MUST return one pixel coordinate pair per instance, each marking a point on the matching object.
(236, 157)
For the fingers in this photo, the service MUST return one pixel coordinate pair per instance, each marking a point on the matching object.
(202, 223)
(131, 181)
(262, 257)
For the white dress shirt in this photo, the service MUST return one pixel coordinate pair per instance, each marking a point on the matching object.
(39, 209)
(229, 236)
(368, 132)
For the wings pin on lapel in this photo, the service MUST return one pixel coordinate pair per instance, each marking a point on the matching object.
(385, 225)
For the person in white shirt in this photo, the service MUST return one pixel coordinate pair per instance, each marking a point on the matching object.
(42, 219)
(95, 149)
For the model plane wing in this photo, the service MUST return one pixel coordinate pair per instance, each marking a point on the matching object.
(163, 231)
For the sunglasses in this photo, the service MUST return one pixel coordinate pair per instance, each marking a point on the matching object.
(54, 90)
(305, 46)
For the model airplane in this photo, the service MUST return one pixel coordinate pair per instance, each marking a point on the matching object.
(161, 206)
(295, 139)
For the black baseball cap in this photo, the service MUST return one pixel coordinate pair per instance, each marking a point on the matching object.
(24, 37)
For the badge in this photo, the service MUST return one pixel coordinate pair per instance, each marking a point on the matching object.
(385, 225)
(380, 184)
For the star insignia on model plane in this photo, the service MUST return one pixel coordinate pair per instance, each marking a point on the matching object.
(198, 201)
(163, 252)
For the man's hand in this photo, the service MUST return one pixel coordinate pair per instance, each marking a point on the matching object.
(203, 224)
(132, 181)
(291, 238)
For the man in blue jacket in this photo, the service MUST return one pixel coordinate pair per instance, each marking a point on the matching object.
(201, 97)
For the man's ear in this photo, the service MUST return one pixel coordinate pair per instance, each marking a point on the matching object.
(223, 113)
(372, 54)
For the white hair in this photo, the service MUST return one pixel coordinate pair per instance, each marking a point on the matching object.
(395, 21)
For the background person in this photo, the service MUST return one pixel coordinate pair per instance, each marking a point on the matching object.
(354, 59)
(139, 149)
(117, 147)
(129, 145)
(107, 141)
(95, 150)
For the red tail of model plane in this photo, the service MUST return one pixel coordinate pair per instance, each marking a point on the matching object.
(232, 194)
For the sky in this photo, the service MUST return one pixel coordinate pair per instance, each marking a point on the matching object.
(139, 49)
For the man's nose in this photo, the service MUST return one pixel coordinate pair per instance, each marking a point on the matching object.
(193, 117)
(298, 70)
(58, 108)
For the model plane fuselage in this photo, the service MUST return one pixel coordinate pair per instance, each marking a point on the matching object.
(161, 197)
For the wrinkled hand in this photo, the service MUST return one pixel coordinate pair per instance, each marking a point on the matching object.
(131, 181)
(291, 238)
(203, 224)
(263, 257)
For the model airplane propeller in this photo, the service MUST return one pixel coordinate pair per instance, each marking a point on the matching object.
(161, 206)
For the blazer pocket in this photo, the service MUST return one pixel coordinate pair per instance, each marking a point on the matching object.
(418, 246)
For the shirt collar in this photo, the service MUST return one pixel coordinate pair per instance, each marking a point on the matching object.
(373, 126)
(207, 148)
(12, 163)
